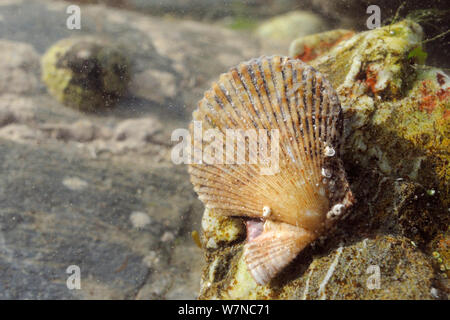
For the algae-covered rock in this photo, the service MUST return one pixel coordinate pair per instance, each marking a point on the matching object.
(310, 47)
(375, 60)
(218, 229)
(397, 110)
(432, 14)
(440, 247)
(381, 268)
(85, 73)
(396, 157)
(390, 226)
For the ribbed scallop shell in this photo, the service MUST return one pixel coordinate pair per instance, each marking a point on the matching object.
(277, 245)
(276, 93)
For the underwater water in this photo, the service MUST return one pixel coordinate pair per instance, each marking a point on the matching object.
(97, 200)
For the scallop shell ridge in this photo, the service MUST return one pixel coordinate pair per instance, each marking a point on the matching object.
(287, 95)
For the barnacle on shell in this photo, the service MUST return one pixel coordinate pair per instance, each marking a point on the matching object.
(309, 191)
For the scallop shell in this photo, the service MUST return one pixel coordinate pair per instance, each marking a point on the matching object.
(299, 202)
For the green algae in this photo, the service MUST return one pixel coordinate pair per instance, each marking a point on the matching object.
(418, 54)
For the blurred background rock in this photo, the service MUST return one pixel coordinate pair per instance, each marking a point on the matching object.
(349, 14)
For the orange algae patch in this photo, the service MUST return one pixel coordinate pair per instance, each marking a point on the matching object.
(310, 52)
(446, 114)
(307, 54)
(428, 104)
(440, 79)
(428, 101)
(431, 98)
(443, 94)
(371, 79)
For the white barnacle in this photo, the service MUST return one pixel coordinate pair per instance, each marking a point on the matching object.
(329, 151)
(326, 173)
(335, 211)
(337, 208)
(266, 212)
(330, 215)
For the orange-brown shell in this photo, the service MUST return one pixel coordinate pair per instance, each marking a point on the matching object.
(310, 188)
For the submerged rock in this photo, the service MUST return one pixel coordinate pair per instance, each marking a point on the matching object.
(291, 26)
(434, 15)
(85, 73)
(310, 47)
(396, 157)
(211, 9)
(381, 268)
(19, 68)
(397, 110)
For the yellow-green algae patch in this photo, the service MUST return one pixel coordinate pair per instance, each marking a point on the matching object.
(245, 286)
(218, 229)
(85, 73)
(440, 248)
